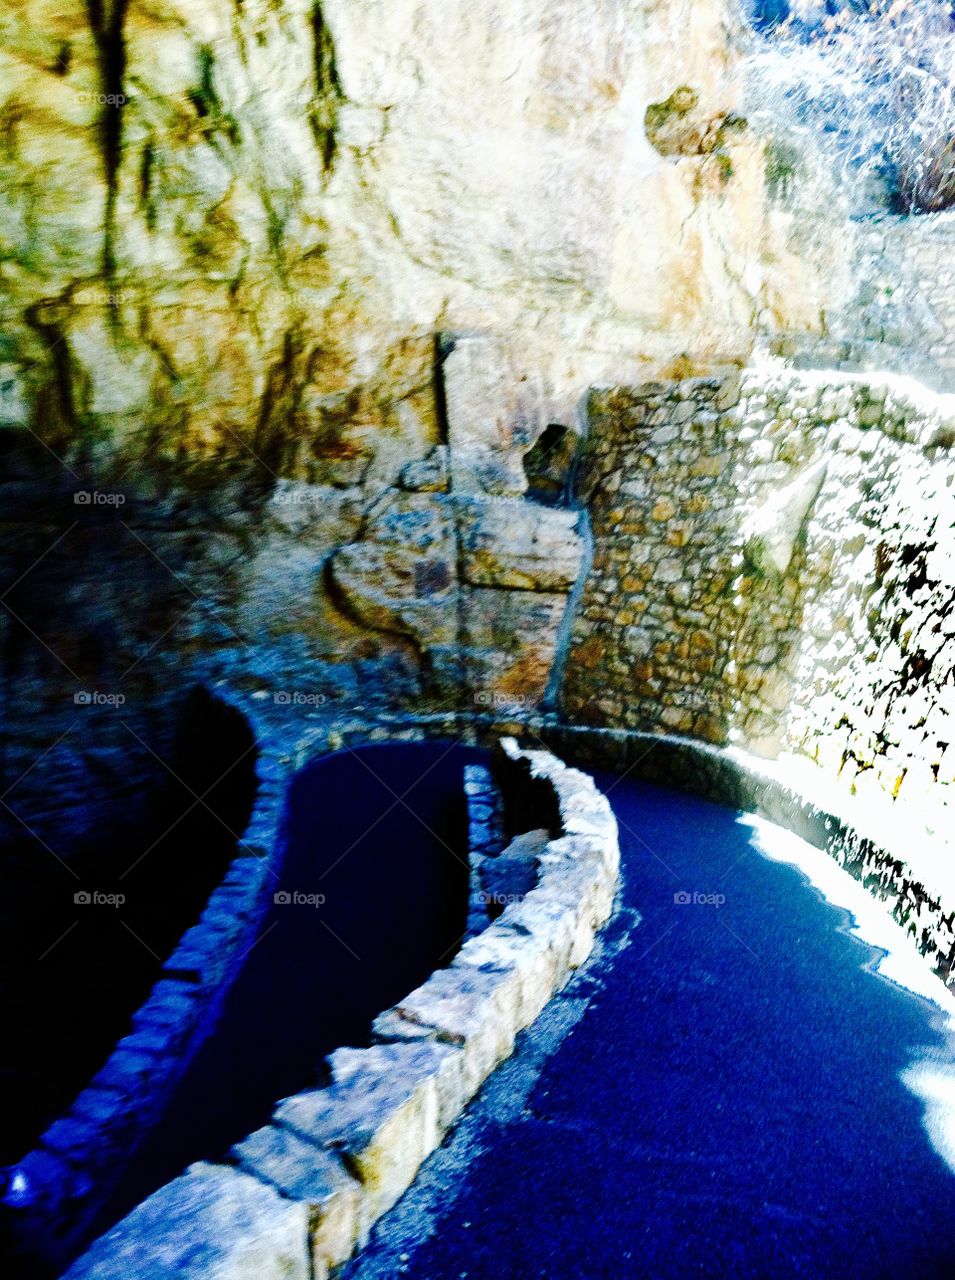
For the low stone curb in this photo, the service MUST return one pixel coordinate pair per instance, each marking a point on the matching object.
(724, 775)
(306, 1189)
(842, 826)
(60, 1187)
(879, 854)
(485, 839)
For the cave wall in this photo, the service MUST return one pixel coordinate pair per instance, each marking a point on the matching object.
(230, 237)
(773, 569)
(230, 231)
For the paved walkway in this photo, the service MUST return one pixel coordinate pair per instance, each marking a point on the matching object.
(717, 1094)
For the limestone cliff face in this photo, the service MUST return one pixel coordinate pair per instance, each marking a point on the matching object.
(230, 237)
(233, 229)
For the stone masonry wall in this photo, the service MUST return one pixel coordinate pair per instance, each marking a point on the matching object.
(773, 569)
(60, 1188)
(898, 311)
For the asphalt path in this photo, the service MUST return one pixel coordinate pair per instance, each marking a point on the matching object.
(720, 1093)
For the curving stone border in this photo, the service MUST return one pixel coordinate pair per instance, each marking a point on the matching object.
(257, 1216)
(887, 848)
(60, 1187)
(305, 1190)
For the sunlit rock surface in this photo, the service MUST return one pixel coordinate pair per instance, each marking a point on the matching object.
(237, 227)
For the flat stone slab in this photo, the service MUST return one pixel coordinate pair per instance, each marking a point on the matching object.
(300, 1170)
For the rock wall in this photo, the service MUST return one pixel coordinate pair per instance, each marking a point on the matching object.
(230, 231)
(897, 313)
(447, 589)
(230, 236)
(773, 568)
(856, 285)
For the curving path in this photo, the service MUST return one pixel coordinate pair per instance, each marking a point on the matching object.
(370, 895)
(718, 1094)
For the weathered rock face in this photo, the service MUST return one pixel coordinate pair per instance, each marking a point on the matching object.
(481, 603)
(328, 602)
(233, 230)
(228, 239)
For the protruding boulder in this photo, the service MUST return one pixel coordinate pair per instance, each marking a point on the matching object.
(402, 575)
(771, 532)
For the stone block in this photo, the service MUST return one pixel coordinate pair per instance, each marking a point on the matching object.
(527, 969)
(338, 1213)
(476, 1010)
(509, 639)
(402, 575)
(559, 926)
(585, 812)
(213, 1223)
(519, 545)
(512, 874)
(493, 417)
(382, 1112)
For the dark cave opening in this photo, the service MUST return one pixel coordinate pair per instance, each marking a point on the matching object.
(548, 465)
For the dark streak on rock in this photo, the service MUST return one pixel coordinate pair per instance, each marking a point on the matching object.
(107, 20)
(323, 115)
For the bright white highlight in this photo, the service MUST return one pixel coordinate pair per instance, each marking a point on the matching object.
(931, 1077)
